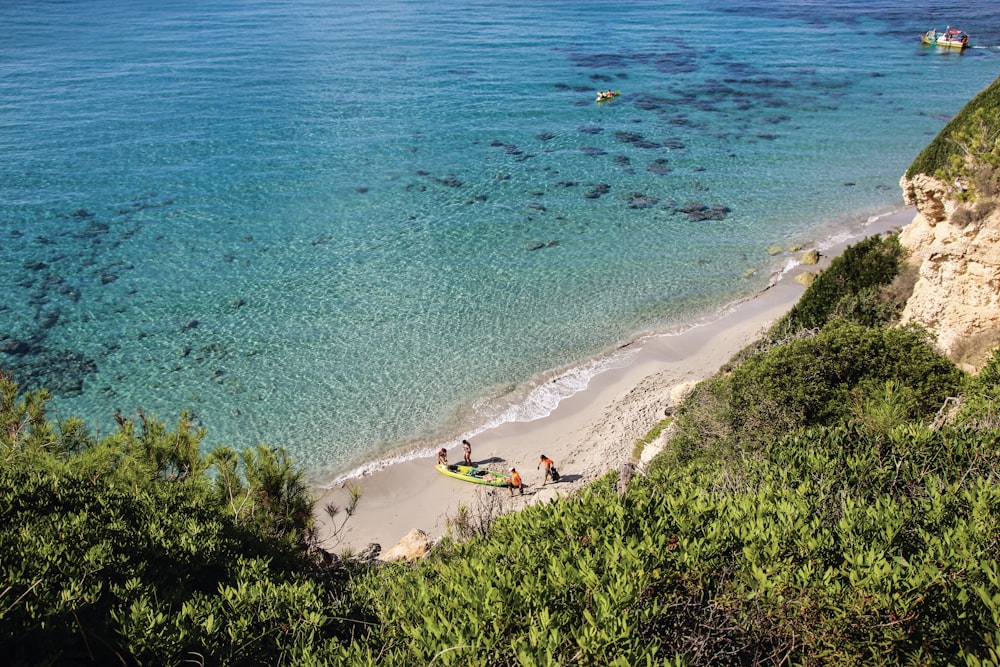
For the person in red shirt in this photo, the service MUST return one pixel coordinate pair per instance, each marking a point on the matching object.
(547, 462)
(515, 482)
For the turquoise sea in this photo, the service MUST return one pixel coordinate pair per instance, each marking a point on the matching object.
(359, 229)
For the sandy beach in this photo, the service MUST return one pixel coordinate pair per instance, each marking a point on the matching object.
(588, 434)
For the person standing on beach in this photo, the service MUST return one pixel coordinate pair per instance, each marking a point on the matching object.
(443, 456)
(515, 482)
(467, 450)
(547, 462)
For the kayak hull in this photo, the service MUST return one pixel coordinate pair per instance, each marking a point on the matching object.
(475, 474)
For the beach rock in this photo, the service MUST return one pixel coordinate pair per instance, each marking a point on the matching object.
(774, 250)
(625, 474)
(810, 257)
(370, 553)
(681, 391)
(416, 544)
(806, 278)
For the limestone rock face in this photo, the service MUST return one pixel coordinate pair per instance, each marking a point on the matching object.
(957, 293)
(415, 544)
(928, 194)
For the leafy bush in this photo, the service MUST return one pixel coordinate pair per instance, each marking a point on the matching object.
(967, 149)
(126, 551)
(812, 381)
(853, 287)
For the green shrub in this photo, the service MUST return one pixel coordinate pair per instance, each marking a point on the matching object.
(124, 550)
(853, 287)
(966, 150)
(812, 381)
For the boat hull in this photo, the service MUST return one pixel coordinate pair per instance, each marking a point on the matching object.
(950, 39)
(475, 474)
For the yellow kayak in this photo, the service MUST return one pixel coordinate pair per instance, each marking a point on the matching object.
(475, 474)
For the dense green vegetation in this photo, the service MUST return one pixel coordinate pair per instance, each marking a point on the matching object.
(813, 507)
(136, 549)
(967, 150)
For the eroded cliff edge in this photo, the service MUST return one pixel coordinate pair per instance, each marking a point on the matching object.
(955, 248)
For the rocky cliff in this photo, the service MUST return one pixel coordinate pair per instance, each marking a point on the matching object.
(956, 248)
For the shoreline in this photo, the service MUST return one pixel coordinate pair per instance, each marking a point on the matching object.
(588, 434)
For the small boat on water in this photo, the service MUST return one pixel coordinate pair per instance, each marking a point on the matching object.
(952, 38)
(475, 474)
(605, 95)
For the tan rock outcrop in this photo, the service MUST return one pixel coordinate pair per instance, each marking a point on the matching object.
(928, 194)
(415, 544)
(957, 293)
(810, 257)
(806, 278)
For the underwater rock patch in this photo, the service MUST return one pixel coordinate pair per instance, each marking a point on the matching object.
(598, 60)
(647, 102)
(698, 212)
(450, 181)
(591, 151)
(628, 137)
(659, 167)
(61, 372)
(92, 230)
(15, 346)
(48, 319)
(637, 200)
(596, 191)
(675, 63)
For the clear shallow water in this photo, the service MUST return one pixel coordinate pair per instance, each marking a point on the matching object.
(354, 231)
